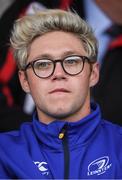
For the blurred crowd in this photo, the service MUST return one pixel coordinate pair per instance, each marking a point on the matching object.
(105, 17)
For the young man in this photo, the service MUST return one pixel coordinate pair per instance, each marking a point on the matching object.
(56, 54)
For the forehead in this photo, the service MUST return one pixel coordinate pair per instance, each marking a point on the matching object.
(56, 44)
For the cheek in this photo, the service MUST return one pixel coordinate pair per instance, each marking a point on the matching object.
(37, 87)
(81, 84)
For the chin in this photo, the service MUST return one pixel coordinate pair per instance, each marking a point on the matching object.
(60, 114)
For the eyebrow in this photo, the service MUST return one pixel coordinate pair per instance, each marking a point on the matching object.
(49, 56)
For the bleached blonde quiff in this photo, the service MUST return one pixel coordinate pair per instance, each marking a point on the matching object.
(27, 28)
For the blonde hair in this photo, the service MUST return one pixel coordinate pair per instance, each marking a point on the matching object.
(27, 28)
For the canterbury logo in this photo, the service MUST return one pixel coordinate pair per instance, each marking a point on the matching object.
(42, 167)
(99, 166)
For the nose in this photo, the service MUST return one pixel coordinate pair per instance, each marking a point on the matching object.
(59, 72)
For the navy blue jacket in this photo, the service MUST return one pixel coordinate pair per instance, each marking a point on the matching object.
(90, 149)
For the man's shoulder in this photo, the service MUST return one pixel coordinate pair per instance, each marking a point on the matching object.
(113, 128)
(9, 135)
(14, 136)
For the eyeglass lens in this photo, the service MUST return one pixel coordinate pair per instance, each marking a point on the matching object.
(71, 65)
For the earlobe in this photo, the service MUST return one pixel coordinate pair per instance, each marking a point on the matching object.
(94, 77)
(24, 81)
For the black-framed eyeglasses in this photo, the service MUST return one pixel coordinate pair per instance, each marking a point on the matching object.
(44, 68)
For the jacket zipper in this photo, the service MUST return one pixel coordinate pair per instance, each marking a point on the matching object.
(63, 136)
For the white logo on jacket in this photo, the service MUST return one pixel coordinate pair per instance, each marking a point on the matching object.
(99, 166)
(42, 167)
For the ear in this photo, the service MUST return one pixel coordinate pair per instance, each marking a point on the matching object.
(94, 76)
(24, 81)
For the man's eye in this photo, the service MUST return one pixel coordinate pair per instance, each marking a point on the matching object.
(43, 65)
(70, 61)
(73, 61)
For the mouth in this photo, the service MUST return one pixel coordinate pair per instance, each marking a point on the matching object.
(60, 90)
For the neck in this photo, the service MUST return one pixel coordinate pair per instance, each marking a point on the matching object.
(82, 112)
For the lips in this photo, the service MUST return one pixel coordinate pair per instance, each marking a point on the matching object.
(59, 90)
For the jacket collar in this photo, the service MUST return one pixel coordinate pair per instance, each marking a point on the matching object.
(78, 133)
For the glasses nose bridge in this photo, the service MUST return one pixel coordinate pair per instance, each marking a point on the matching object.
(60, 61)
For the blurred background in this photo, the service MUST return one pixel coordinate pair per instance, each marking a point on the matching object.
(105, 17)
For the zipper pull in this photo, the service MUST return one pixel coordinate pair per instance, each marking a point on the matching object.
(62, 133)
